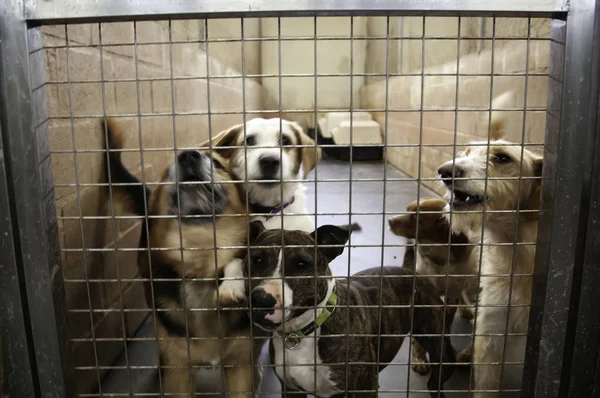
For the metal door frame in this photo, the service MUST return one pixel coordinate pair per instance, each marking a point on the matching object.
(564, 306)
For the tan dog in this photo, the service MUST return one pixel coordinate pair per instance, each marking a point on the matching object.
(505, 269)
(447, 260)
(194, 199)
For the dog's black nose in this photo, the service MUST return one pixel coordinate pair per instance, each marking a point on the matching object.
(269, 165)
(262, 302)
(448, 171)
(190, 166)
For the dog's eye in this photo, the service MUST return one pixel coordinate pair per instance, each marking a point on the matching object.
(502, 158)
(285, 140)
(303, 264)
(256, 261)
(250, 140)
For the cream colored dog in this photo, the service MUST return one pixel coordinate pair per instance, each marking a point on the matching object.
(509, 240)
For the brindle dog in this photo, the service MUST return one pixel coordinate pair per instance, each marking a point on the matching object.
(291, 285)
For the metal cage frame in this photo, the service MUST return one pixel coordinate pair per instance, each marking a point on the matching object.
(564, 327)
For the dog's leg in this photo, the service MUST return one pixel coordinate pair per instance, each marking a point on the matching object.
(419, 358)
(465, 357)
(176, 381)
(239, 381)
(233, 289)
(286, 392)
(488, 350)
(175, 367)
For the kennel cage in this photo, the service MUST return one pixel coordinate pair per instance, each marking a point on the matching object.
(36, 337)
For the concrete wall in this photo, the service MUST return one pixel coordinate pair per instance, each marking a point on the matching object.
(113, 274)
(439, 92)
(298, 57)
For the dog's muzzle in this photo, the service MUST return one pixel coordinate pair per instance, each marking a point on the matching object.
(263, 305)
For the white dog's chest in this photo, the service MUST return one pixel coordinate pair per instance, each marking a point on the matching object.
(295, 217)
(302, 366)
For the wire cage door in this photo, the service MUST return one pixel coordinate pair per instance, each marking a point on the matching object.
(53, 303)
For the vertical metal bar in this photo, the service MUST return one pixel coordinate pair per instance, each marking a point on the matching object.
(112, 207)
(350, 199)
(284, 392)
(383, 215)
(568, 161)
(214, 216)
(41, 273)
(518, 209)
(18, 359)
(184, 303)
(315, 350)
(483, 218)
(80, 215)
(447, 261)
(585, 366)
(421, 106)
(255, 388)
(145, 222)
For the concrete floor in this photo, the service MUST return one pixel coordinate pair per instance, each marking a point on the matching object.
(332, 197)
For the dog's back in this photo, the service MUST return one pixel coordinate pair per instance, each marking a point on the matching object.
(409, 303)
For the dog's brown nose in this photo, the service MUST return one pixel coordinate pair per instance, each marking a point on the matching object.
(449, 170)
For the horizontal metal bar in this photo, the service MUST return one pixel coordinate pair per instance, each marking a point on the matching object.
(284, 75)
(47, 12)
(277, 112)
(284, 39)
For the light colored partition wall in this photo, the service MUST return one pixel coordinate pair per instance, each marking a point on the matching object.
(83, 99)
(438, 54)
(297, 57)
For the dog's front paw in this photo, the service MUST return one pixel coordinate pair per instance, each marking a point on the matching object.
(230, 292)
(465, 357)
(421, 368)
(466, 313)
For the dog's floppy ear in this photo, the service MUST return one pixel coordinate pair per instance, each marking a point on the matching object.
(333, 235)
(535, 198)
(310, 155)
(256, 229)
(224, 140)
(403, 225)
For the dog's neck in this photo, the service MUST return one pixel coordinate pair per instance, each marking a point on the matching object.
(273, 195)
(309, 315)
(505, 225)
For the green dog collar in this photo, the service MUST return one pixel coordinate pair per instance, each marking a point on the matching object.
(291, 340)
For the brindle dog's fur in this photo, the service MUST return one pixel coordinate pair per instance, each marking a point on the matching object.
(175, 294)
(390, 286)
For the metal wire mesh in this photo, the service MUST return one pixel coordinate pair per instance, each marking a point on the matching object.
(175, 83)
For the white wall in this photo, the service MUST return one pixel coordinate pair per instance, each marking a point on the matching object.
(297, 57)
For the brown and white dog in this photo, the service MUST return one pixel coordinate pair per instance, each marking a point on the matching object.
(271, 157)
(192, 205)
(445, 258)
(513, 183)
(314, 318)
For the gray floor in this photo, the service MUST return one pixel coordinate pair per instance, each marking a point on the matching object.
(332, 197)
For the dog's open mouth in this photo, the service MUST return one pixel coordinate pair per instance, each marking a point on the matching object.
(465, 199)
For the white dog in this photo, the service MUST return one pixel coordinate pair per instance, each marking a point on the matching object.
(514, 183)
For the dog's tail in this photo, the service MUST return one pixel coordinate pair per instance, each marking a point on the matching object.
(498, 119)
(133, 195)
